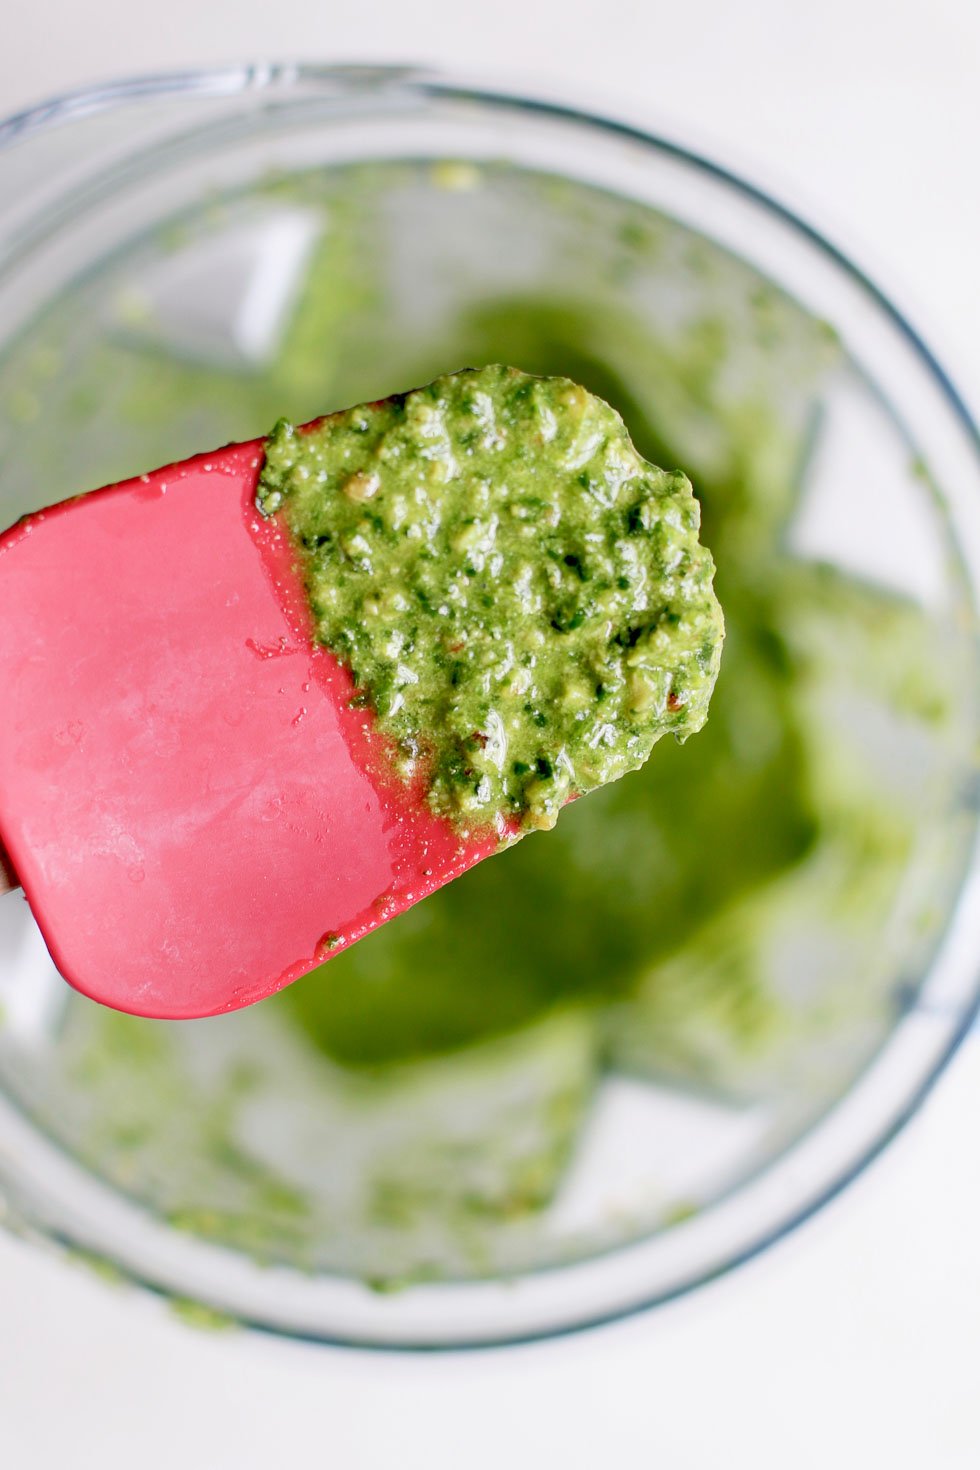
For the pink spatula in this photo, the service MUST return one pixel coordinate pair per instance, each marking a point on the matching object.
(198, 802)
(165, 719)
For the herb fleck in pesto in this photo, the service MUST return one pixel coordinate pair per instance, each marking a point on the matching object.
(521, 596)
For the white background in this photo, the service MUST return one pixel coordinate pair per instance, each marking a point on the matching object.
(857, 1342)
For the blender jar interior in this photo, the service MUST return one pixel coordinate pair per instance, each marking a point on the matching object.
(601, 1038)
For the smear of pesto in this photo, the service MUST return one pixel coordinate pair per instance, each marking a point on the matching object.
(521, 596)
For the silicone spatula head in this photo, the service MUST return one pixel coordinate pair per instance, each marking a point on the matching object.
(200, 804)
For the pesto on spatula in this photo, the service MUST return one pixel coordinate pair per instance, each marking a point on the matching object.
(521, 597)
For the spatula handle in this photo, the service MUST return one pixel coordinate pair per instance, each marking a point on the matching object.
(8, 878)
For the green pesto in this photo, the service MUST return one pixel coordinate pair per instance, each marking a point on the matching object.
(522, 598)
(429, 1086)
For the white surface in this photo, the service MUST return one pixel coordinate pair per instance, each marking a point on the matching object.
(853, 1344)
(857, 1341)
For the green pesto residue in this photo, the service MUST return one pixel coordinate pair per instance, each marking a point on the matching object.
(729, 923)
(522, 598)
(196, 1314)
